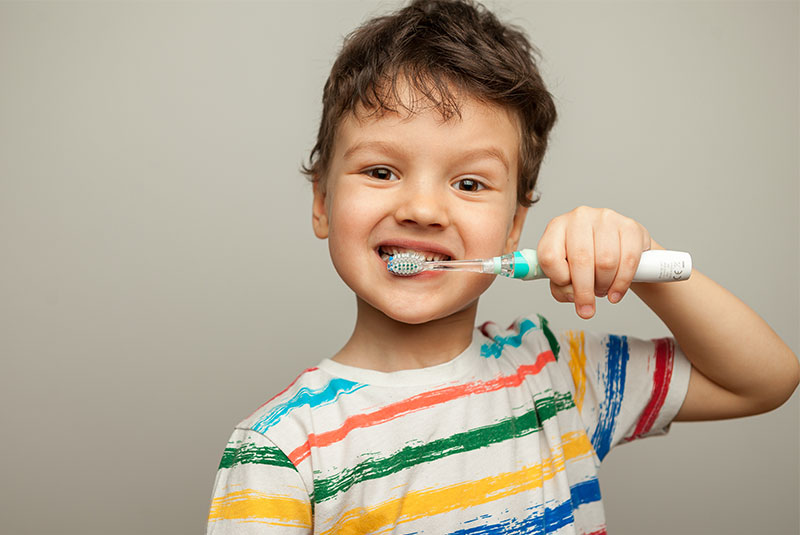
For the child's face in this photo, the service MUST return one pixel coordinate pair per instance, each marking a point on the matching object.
(417, 183)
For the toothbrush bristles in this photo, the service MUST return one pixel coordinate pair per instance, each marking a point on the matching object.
(406, 264)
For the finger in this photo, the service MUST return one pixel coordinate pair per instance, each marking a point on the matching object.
(562, 294)
(629, 256)
(606, 258)
(551, 252)
(580, 257)
(647, 242)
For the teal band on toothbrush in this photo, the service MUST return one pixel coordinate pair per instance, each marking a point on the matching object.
(526, 265)
(521, 267)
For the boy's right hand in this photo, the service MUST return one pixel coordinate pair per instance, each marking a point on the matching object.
(591, 252)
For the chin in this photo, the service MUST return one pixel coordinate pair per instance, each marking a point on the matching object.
(414, 314)
(412, 318)
(419, 301)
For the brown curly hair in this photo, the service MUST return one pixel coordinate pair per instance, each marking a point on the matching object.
(440, 48)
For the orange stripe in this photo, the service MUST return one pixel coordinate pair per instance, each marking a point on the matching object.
(416, 403)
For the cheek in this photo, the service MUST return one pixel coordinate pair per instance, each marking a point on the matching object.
(487, 232)
(351, 220)
(343, 236)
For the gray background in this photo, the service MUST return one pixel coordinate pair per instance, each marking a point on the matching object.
(159, 278)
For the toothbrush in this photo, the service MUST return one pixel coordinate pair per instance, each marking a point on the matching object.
(654, 265)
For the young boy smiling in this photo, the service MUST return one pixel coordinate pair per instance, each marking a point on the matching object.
(435, 122)
(456, 197)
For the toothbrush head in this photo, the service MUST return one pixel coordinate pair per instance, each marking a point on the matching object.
(406, 264)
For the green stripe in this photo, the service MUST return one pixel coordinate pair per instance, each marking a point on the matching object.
(507, 428)
(551, 338)
(249, 453)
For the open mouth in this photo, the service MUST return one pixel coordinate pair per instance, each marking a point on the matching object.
(388, 251)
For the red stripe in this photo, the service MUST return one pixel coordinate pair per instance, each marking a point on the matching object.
(601, 531)
(483, 328)
(665, 355)
(416, 403)
(284, 390)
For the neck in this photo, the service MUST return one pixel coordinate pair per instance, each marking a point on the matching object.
(381, 343)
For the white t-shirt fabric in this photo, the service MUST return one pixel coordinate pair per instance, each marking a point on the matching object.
(507, 437)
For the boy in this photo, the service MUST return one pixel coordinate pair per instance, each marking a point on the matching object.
(435, 122)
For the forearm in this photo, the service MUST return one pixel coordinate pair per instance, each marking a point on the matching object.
(726, 341)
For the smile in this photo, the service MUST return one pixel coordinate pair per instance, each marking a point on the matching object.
(388, 251)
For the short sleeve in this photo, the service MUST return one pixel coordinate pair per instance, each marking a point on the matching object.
(257, 490)
(624, 388)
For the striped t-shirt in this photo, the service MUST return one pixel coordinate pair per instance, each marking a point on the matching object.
(505, 438)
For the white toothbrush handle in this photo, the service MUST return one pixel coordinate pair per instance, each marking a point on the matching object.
(659, 265)
(656, 265)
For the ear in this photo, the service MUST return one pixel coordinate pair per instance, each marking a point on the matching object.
(512, 242)
(319, 212)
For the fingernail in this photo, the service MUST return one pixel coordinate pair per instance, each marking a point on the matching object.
(585, 311)
(615, 297)
(570, 298)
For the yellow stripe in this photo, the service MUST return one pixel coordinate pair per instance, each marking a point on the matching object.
(250, 504)
(424, 503)
(577, 366)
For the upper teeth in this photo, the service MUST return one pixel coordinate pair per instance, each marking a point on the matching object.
(389, 251)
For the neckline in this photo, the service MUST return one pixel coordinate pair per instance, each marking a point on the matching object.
(452, 370)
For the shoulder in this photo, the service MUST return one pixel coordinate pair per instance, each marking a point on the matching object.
(312, 389)
(289, 416)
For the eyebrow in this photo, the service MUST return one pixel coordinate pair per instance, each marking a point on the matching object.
(377, 146)
(391, 149)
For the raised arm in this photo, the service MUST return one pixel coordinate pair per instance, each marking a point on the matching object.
(740, 366)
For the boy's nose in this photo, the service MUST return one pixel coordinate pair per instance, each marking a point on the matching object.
(423, 204)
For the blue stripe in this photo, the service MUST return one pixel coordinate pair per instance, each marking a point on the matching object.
(307, 397)
(614, 379)
(537, 523)
(585, 492)
(495, 348)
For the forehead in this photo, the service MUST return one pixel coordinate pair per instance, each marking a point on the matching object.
(481, 128)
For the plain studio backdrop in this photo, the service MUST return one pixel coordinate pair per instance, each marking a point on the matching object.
(159, 278)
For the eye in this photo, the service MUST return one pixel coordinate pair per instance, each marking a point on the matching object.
(381, 173)
(469, 184)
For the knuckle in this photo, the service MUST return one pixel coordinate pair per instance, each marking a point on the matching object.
(606, 261)
(581, 258)
(552, 223)
(630, 261)
(607, 214)
(584, 294)
(582, 211)
(629, 224)
(547, 257)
